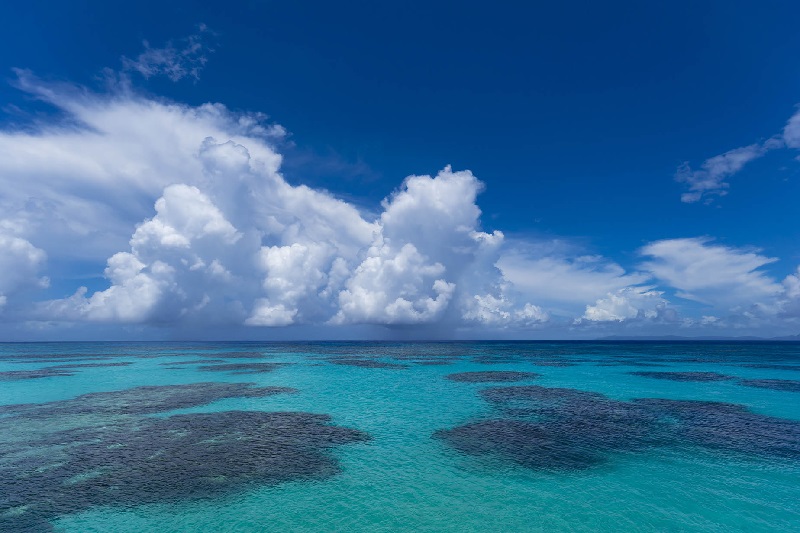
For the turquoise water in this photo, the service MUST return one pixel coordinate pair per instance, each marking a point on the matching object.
(405, 447)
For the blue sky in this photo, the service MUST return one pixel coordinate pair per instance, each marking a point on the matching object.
(632, 170)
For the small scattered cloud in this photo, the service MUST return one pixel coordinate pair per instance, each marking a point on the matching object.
(626, 304)
(709, 181)
(500, 312)
(791, 132)
(177, 59)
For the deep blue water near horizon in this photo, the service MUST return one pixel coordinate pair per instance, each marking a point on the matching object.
(361, 436)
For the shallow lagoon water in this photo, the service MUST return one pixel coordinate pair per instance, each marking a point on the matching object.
(361, 435)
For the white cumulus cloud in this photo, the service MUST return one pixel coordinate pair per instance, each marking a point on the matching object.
(188, 209)
(429, 246)
(625, 304)
(20, 263)
(184, 212)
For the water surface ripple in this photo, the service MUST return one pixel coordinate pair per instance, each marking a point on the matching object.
(462, 436)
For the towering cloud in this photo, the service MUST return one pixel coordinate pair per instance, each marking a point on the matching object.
(20, 263)
(429, 237)
(215, 233)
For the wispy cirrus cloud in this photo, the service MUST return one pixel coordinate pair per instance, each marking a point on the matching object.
(791, 133)
(724, 277)
(177, 59)
(709, 181)
(564, 280)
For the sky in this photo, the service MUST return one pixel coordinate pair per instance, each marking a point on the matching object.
(416, 170)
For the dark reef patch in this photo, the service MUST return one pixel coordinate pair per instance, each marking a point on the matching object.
(243, 368)
(554, 429)
(234, 355)
(728, 427)
(19, 375)
(772, 366)
(412, 356)
(497, 376)
(47, 360)
(63, 370)
(92, 365)
(365, 363)
(558, 429)
(176, 458)
(785, 385)
(102, 449)
(143, 400)
(54, 358)
(684, 376)
(423, 359)
(194, 362)
(494, 360)
(526, 444)
(626, 361)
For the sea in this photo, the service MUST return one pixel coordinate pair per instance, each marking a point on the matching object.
(359, 436)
